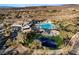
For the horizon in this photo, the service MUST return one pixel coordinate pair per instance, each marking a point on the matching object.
(28, 5)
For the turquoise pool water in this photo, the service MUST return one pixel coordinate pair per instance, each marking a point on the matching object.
(47, 26)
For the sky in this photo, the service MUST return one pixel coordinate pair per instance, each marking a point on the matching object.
(26, 5)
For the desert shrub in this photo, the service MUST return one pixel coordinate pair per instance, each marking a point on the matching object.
(70, 28)
(62, 24)
(77, 17)
(76, 21)
(52, 11)
(18, 16)
(58, 39)
(2, 17)
(31, 36)
(66, 34)
(77, 29)
(74, 10)
(36, 44)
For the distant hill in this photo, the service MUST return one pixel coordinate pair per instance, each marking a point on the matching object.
(62, 5)
(71, 5)
(6, 7)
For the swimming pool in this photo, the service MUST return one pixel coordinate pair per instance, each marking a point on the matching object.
(47, 26)
(48, 42)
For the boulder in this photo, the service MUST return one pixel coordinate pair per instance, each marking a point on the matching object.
(74, 42)
(54, 33)
(18, 49)
(43, 52)
(8, 50)
(38, 52)
(21, 49)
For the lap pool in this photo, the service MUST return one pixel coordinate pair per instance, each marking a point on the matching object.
(47, 26)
